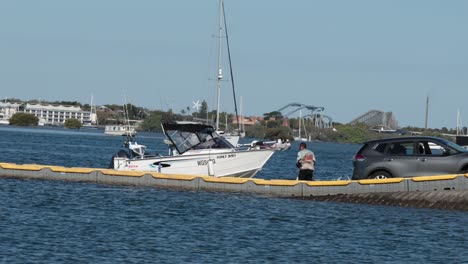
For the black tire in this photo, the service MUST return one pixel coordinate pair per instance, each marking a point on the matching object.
(380, 175)
(464, 170)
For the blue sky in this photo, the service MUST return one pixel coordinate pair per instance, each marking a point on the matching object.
(347, 56)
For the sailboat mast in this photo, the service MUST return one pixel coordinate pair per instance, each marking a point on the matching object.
(300, 118)
(241, 116)
(220, 71)
(459, 124)
(94, 119)
(230, 68)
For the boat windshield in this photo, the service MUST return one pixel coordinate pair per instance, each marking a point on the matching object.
(189, 136)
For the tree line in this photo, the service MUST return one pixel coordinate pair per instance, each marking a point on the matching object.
(270, 128)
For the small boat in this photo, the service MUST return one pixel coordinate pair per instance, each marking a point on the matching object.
(279, 144)
(120, 130)
(299, 137)
(282, 145)
(127, 129)
(195, 149)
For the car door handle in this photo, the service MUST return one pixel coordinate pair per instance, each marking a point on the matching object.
(388, 159)
(422, 159)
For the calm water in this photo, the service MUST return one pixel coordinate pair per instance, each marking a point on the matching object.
(66, 222)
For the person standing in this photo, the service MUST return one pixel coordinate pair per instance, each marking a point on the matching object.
(305, 162)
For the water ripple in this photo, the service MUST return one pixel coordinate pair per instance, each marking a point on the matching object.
(67, 222)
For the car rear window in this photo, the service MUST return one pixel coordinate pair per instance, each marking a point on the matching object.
(380, 147)
(401, 148)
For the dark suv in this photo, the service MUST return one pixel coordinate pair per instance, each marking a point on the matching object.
(408, 157)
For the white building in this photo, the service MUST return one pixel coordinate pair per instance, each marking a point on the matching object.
(7, 110)
(57, 114)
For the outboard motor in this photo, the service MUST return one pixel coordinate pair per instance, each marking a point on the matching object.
(120, 154)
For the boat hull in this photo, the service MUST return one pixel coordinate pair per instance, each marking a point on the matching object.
(244, 164)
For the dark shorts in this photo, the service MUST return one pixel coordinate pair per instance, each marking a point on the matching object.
(306, 175)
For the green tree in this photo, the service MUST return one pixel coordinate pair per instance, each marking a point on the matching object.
(273, 124)
(73, 123)
(203, 109)
(24, 119)
(279, 132)
(86, 107)
(153, 121)
(349, 134)
(255, 131)
(133, 111)
(105, 118)
(275, 114)
(113, 107)
(294, 123)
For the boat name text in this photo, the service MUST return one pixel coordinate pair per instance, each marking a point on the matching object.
(226, 156)
(204, 162)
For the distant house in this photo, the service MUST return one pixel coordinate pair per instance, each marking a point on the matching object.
(252, 120)
(246, 120)
(7, 110)
(103, 108)
(57, 114)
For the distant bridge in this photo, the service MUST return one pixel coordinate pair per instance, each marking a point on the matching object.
(313, 113)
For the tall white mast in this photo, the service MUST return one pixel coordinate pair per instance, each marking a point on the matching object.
(459, 124)
(241, 117)
(300, 117)
(220, 71)
(94, 120)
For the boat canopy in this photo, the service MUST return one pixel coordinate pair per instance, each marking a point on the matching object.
(187, 136)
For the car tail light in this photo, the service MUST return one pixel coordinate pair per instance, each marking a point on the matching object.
(359, 157)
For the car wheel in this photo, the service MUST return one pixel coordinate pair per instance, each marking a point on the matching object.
(380, 175)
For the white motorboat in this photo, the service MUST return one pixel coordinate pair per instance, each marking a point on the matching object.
(120, 130)
(282, 145)
(128, 129)
(279, 144)
(195, 149)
